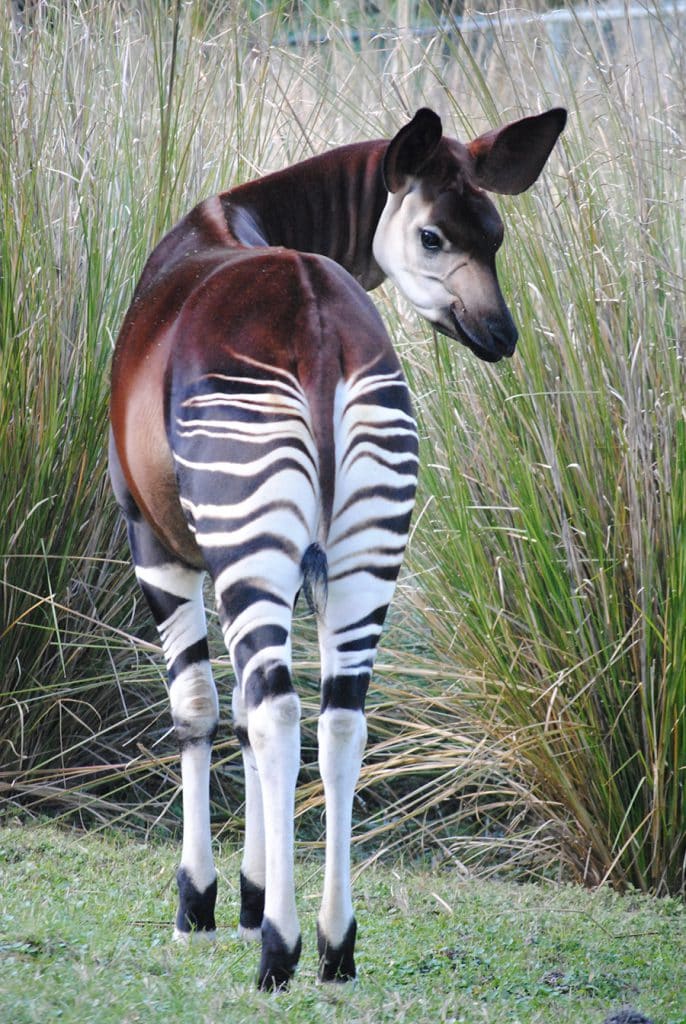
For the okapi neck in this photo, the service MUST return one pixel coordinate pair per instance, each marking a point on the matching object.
(329, 204)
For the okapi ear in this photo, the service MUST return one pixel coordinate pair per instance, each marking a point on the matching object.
(411, 148)
(509, 159)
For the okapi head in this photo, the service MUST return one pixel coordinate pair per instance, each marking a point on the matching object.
(439, 232)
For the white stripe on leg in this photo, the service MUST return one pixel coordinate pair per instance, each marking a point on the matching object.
(274, 731)
(196, 851)
(197, 864)
(253, 863)
(342, 737)
(195, 711)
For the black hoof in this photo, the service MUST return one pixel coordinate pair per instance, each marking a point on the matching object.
(196, 909)
(278, 963)
(337, 963)
(252, 904)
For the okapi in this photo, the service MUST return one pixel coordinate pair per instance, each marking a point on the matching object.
(262, 431)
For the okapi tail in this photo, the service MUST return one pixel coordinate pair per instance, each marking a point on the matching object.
(315, 570)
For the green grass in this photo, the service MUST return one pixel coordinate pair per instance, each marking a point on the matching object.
(529, 704)
(551, 559)
(86, 936)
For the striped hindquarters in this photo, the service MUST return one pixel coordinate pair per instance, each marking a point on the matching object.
(248, 461)
(247, 466)
(376, 476)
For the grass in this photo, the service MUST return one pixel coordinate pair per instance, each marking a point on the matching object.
(432, 947)
(529, 706)
(551, 558)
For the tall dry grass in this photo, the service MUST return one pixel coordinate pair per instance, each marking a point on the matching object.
(529, 704)
(551, 558)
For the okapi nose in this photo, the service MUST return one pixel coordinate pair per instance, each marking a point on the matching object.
(504, 333)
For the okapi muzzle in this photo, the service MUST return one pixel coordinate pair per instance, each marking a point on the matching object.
(262, 433)
(479, 317)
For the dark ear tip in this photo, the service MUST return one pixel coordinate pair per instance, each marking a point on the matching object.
(429, 118)
(411, 148)
(559, 114)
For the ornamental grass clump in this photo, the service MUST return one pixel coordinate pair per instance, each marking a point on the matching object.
(551, 559)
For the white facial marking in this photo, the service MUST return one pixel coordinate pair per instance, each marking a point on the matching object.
(421, 274)
(425, 265)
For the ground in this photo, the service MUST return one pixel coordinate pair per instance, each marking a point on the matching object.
(85, 936)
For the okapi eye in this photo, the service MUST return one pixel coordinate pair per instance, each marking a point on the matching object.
(431, 240)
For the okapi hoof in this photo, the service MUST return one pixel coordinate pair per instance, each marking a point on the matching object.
(337, 963)
(195, 916)
(252, 910)
(278, 962)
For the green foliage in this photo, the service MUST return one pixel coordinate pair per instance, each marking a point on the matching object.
(529, 708)
(552, 559)
(103, 145)
(431, 947)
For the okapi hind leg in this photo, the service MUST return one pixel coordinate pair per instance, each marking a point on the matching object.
(252, 877)
(274, 730)
(267, 716)
(173, 591)
(377, 441)
(246, 462)
(342, 735)
(257, 621)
